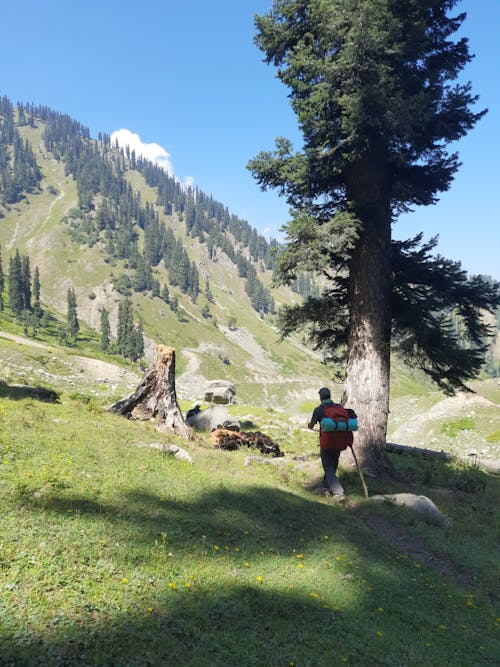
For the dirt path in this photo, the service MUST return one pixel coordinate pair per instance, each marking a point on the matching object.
(417, 549)
(95, 368)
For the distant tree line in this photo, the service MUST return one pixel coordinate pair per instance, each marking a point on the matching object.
(110, 213)
(19, 171)
(24, 303)
(210, 222)
(129, 340)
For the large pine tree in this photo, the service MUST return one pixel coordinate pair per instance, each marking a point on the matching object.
(371, 83)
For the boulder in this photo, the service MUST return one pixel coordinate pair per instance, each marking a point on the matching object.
(213, 417)
(220, 391)
(419, 504)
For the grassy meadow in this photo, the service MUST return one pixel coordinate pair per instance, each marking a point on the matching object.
(114, 553)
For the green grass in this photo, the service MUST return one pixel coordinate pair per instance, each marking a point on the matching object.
(115, 554)
(454, 427)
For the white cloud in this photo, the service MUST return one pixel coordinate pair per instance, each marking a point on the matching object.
(153, 152)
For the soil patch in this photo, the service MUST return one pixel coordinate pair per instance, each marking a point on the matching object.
(416, 548)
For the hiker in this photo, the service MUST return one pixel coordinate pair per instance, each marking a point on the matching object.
(332, 440)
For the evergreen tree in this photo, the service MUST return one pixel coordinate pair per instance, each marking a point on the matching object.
(2, 280)
(165, 295)
(26, 282)
(72, 324)
(369, 81)
(37, 308)
(16, 294)
(208, 292)
(130, 339)
(105, 331)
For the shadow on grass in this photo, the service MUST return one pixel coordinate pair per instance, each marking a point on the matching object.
(236, 626)
(19, 392)
(267, 516)
(235, 623)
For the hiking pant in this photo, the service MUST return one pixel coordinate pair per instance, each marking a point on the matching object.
(330, 461)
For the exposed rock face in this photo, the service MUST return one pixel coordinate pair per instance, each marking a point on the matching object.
(220, 391)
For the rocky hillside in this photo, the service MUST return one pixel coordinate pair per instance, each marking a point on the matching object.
(83, 236)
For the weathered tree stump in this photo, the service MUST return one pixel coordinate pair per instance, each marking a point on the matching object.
(155, 398)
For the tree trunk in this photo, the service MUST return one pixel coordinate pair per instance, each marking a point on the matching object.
(366, 387)
(155, 398)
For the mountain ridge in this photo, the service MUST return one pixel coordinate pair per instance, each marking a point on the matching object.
(37, 224)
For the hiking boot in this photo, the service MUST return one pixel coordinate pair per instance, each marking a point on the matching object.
(336, 488)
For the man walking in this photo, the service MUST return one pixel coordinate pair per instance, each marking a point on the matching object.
(332, 440)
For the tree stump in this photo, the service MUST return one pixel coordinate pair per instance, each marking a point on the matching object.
(155, 397)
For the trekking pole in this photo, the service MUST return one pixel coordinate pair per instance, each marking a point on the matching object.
(360, 473)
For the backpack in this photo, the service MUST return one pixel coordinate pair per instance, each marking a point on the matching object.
(336, 427)
(338, 418)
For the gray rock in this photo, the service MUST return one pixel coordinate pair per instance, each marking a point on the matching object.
(172, 450)
(213, 417)
(220, 391)
(419, 504)
(177, 452)
(250, 460)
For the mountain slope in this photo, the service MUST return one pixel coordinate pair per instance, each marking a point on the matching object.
(247, 352)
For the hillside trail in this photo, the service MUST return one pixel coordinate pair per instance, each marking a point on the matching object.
(95, 368)
(21, 224)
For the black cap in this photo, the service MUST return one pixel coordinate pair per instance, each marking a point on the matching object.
(324, 393)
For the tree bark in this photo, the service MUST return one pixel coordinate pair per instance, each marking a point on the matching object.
(155, 398)
(366, 387)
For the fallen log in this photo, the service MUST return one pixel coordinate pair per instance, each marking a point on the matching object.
(418, 451)
(155, 397)
(490, 466)
(231, 440)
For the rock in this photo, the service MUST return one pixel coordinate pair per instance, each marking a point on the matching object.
(419, 504)
(177, 452)
(172, 450)
(213, 417)
(220, 391)
(250, 460)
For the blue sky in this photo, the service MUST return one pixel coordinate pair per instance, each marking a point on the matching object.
(187, 77)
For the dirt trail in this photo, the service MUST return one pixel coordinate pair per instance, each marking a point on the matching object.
(95, 368)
